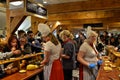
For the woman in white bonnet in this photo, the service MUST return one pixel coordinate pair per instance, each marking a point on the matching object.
(87, 56)
(52, 66)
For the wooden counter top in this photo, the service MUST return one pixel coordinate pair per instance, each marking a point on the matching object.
(22, 76)
(19, 58)
(106, 75)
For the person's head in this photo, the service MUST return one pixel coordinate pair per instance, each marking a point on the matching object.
(46, 33)
(13, 41)
(65, 35)
(105, 33)
(81, 35)
(21, 33)
(30, 34)
(58, 32)
(91, 35)
(44, 30)
(23, 40)
(112, 39)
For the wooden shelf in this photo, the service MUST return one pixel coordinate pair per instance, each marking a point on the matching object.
(18, 75)
(19, 58)
(22, 76)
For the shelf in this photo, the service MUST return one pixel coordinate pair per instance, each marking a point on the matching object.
(22, 76)
(19, 58)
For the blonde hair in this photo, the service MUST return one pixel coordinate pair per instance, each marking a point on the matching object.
(90, 32)
(66, 33)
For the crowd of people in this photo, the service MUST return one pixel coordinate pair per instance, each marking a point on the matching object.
(16, 46)
(64, 53)
(82, 51)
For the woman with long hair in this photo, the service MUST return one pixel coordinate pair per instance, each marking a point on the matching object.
(52, 49)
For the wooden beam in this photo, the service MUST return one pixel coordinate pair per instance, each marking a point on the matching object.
(85, 15)
(89, 5)
(17, 12)
(114, 25)
(87, 21)
(14, 25)
(55, 26)
(2, 5)
(7, 19)
(15, 0)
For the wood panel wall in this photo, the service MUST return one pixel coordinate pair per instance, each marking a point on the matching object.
(75, 14)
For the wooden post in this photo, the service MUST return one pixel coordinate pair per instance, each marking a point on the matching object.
(8, 28)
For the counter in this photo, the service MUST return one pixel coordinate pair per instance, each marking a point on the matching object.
(22, 76)
(16, 64)
(114, 56)
(108, 74)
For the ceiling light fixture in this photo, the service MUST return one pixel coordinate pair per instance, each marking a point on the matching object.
(45, 1)
(16, 3)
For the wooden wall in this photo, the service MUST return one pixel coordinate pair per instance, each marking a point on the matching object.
(72, 15)
(75, 14)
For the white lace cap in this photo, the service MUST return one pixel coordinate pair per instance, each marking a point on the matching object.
(90, 32)
(44, 29)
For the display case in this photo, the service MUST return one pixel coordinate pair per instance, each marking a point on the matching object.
(110, 69)
(22, 67)
(108, 74)
(114, 56)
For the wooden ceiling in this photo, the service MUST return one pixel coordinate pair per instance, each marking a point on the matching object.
(73, 15)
